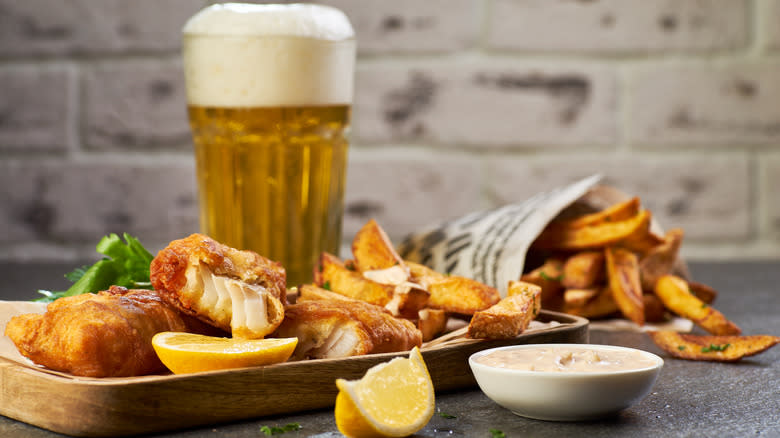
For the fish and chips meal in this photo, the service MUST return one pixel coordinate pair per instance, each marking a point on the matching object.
(610, 263)
(598, 264)
(376, 303)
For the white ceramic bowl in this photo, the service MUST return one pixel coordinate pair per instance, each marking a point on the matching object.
(565, 396)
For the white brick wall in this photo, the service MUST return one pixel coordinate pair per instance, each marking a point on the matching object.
(135, 105)
(34, 108)
(707, 104)
(519, 104)
(618, 25)
(460, 105)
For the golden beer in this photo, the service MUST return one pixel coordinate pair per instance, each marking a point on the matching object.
(269, 90)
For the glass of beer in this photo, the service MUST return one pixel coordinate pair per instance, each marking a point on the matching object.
(269, 91)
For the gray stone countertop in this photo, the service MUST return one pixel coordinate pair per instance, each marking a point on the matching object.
(690, 399)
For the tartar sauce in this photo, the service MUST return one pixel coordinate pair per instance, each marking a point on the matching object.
(565, 359)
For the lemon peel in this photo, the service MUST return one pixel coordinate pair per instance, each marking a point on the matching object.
(192, 353)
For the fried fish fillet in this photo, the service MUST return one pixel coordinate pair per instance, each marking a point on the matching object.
(237, 291)
(342, 328)
(108, 334)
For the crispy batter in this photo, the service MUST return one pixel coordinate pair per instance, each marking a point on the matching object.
(674, 293)
(623, 275)
(339, 328)
(108, 334)
(510, 316)
(238, 291)
(712, 348)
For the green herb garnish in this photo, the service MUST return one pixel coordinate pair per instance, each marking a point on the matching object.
(326, 285)
(548, 278)
(704, 305)
(495, 433)
(681, 347)
(125, 264)
(713, 347)
(275, 430)
(446, 415)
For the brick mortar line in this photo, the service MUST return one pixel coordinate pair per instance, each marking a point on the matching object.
(756, 54)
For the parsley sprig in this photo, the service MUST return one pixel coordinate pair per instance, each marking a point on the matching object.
(276, 430)
(124, 264)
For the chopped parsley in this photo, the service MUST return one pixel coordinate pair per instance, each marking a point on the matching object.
(326, 285)
(495, 433)
(446, 415)
(681, 347)
(548, 278)
(704, 305)
(712, 347)
(275, 430)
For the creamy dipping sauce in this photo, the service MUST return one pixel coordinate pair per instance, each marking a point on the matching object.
(566, 359)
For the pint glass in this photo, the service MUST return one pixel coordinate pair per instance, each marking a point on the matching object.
(269, 91)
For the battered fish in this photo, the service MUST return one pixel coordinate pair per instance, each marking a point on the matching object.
(237, 291)
(108, 334)
(342, 328)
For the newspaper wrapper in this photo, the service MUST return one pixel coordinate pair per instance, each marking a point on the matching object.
(491, 246)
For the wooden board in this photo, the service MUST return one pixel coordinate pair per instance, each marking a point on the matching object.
(127, 406)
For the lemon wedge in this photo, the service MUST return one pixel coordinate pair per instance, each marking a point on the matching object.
(191, 353)
(393, 399)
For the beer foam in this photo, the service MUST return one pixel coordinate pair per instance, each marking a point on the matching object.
(250, 55)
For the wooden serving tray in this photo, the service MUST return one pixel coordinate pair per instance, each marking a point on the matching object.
(127, 406)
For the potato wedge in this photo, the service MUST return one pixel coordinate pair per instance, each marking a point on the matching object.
(673, 292)
(423, 275)
(527, 289)
(660, 260)
(600, 306)
(712, 348)
(407, 301)
(559, 237)
(311, 292)
(334, 276)
(579, 297)
(431, 322)
(373, 250)
(507, 318)
(583, 270)
(548, 277)
(642, 242)
(654, 308)
(702, 292)
(461, 295)
(614, 213)
(623, 275)
(452, 293)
